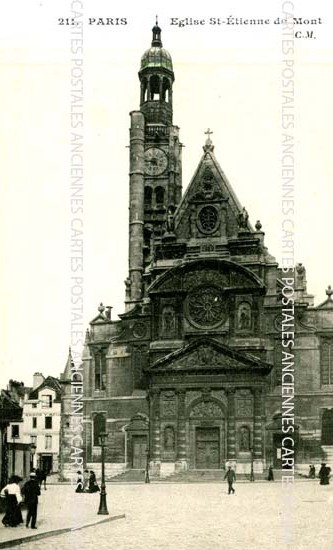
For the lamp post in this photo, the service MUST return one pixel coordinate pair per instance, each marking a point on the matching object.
(32, 454)
(147, 478)
(103, 509)
(252, 472)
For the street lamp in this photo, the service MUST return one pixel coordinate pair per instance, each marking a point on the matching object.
(103, 509)
(147, 478)
(32, 454)
(252, 472)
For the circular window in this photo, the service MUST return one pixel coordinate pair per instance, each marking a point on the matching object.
(208, 219)
(206, 307)
(139, 330)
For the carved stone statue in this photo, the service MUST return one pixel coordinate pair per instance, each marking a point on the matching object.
(244, 316)
(170, 221)
(244, 439)
(243, 219)
(168, 321)
(128, 284)
(169, 438)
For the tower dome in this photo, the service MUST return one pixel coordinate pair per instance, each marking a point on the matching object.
(156, 55)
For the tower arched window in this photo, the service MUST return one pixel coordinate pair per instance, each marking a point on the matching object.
(166, 90)
(159, 196)
(144, 90)
(154, 88)
(148, 197)
(99, 426)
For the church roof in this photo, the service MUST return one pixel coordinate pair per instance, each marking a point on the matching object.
(219, 185)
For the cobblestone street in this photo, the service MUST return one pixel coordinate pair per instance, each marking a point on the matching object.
(195, 516)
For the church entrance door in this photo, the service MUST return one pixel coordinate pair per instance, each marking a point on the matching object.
(139, 443)
(207, 448)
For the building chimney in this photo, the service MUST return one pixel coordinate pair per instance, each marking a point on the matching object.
(37, 380)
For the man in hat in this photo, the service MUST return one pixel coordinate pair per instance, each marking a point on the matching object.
(230, 476)
(31, 492)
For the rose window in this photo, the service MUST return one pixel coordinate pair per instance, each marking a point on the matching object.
(206, 306)
(208, 219)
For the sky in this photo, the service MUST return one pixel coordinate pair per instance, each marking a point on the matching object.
(227, 78)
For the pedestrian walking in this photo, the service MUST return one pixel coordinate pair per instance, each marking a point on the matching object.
(79, 482)
(39, 477)
(12, 493)
(312, 473)
(31, 491)
(230, 476)
(270, 474)
(43, 478)
(324, 474)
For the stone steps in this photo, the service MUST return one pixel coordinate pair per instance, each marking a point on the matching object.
(189, 476)
(129, 476)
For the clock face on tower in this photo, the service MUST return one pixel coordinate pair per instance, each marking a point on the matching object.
(156, 161)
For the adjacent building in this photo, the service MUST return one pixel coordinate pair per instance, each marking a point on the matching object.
(14, 454)
(41, 422)
(191, 374)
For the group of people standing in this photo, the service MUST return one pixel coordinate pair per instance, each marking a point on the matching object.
(86, 482)
(14, 495)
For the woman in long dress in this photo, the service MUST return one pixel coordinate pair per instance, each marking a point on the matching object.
(93, 486)
(79, 482)
(12, 493)
(324, 474)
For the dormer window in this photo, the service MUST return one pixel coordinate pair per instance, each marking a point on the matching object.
(46, 401)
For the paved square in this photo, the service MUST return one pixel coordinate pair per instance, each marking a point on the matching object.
(195, 517)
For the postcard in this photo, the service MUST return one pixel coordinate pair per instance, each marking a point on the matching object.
(166, 281)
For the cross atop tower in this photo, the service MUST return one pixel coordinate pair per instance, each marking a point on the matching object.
(209, 144)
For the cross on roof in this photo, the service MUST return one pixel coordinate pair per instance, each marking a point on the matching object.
(208, 132)
(329, 292)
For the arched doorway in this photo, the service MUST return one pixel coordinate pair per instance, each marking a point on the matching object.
(206, 422)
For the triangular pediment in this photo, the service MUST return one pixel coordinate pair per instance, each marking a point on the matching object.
(210, 185)
(209, 355)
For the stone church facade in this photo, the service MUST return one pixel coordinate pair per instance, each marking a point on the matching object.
(190, 376)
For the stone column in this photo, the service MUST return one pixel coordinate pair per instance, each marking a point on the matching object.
(257, 430)
(181, 463)
(231, 429)
(155, 432)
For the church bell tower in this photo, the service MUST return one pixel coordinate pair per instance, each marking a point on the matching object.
(155, 163)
